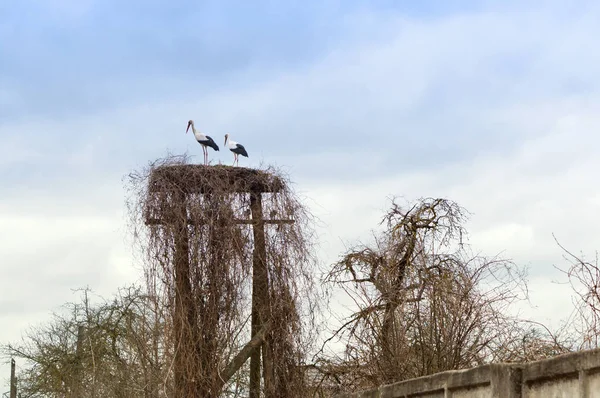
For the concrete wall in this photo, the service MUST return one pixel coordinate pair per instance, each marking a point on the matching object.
(574, 375)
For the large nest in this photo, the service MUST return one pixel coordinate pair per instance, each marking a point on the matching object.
(205, 179)
(195, 224)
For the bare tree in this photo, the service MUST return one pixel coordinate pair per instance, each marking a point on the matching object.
(425, 304)
(109, 349)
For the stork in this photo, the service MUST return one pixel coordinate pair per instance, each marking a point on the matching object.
(204, 140)
(237, 149)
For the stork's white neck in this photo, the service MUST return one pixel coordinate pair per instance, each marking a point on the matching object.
(229, 143)
(197, 134)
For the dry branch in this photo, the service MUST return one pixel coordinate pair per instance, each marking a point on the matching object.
(239, 360)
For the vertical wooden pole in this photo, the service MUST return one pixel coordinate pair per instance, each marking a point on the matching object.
(260, 294)
(13, 379)
(256, 209)
(185, 311)
(212, 296)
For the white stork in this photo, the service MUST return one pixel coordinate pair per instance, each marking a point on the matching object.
(204, 140)
(237, 149)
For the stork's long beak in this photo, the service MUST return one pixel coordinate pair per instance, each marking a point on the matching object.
(225, 142)
(188, 127)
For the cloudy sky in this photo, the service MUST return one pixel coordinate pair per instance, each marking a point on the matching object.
(495, 105)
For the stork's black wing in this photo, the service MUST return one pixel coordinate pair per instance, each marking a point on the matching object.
(210, 142)
(240, 150)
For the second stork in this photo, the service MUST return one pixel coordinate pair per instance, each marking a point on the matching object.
(237, 149)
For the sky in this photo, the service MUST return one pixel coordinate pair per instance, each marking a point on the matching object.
(492, 104)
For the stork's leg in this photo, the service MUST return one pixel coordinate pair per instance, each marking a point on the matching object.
(205, 155)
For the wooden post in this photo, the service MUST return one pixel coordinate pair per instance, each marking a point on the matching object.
(260, 300)
(216, 260)
(184, 321)
(13, 380)
(256, 209)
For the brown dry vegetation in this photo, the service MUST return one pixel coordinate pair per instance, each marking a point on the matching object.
(211, 213)
(423, 302)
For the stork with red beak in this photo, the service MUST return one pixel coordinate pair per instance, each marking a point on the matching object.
(204, 140)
